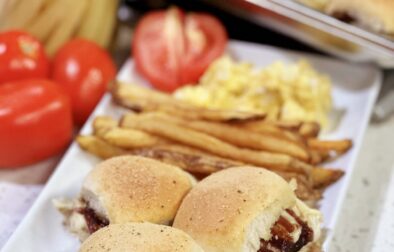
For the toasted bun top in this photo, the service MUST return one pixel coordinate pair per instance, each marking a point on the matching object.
(139, 237)
(376, 14)
(136, 189)
(232, 209)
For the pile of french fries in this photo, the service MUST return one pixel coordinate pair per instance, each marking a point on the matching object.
(203, 141)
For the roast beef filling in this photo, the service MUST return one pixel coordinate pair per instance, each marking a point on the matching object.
(282, 239)
(93, 221)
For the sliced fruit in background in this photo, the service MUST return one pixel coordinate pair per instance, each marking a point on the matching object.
(172, 49)
(35, 122)
(83, 69)
(21, 56)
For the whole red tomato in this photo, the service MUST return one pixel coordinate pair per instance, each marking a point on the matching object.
(35, 121)
(172, 49)
(21, 56)
(84, 70)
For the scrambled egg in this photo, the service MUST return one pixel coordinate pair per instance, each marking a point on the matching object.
(283, 91)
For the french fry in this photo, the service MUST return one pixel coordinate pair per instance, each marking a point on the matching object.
(187, 158)
(309, 129)
(292, 125)
(236, 136)
(130, 138)
(142, 99)
(323, 177)
(99, 147)
(184, 157)
(215, 146)
(101, 124)
(305, 129)
(315, 158)
(261, 126)
(107, 128)
(305, 190)
(339, 146)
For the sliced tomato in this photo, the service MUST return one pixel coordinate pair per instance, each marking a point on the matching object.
(172, 49)
(35, 121)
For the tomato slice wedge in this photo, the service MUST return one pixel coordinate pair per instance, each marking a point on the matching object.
(172, 49)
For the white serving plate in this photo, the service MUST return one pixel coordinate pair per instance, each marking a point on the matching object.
(355, 88)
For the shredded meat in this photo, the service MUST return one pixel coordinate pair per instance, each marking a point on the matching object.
(93, 221)
(281, 240)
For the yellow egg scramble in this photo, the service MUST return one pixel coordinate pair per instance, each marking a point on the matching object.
(284, 91)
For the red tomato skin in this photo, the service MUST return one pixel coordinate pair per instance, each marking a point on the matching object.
(35, 122)
(21, 57)
(83, 69)
(151, 57)
(196, 66)
(163, 81)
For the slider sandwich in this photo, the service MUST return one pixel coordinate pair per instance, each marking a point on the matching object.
(126, 189)
(139, 237)
(377, 15)
(248, 209)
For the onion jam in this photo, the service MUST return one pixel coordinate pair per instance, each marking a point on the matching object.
(93, 221)
(282, 241)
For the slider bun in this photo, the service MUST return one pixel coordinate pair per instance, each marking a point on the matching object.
(136, 189)
(232, 209)
(375, 14)
(139, 237)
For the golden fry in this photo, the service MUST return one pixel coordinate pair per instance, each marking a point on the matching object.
(184, 157)
(305, 129)
(309, 129)
(143, 99)
(130, 138)
(316, 158)
(213, 145)
(339, 146)
(99, 147)
(187, 158)
(262, 127)
(203, 164)
(322, 177)
(305, 190)
(237, 136)
(102, 124)
(286, 124)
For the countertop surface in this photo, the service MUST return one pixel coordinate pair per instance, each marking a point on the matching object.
(366, 221)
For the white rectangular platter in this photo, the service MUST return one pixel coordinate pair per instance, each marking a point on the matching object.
(355, 89)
